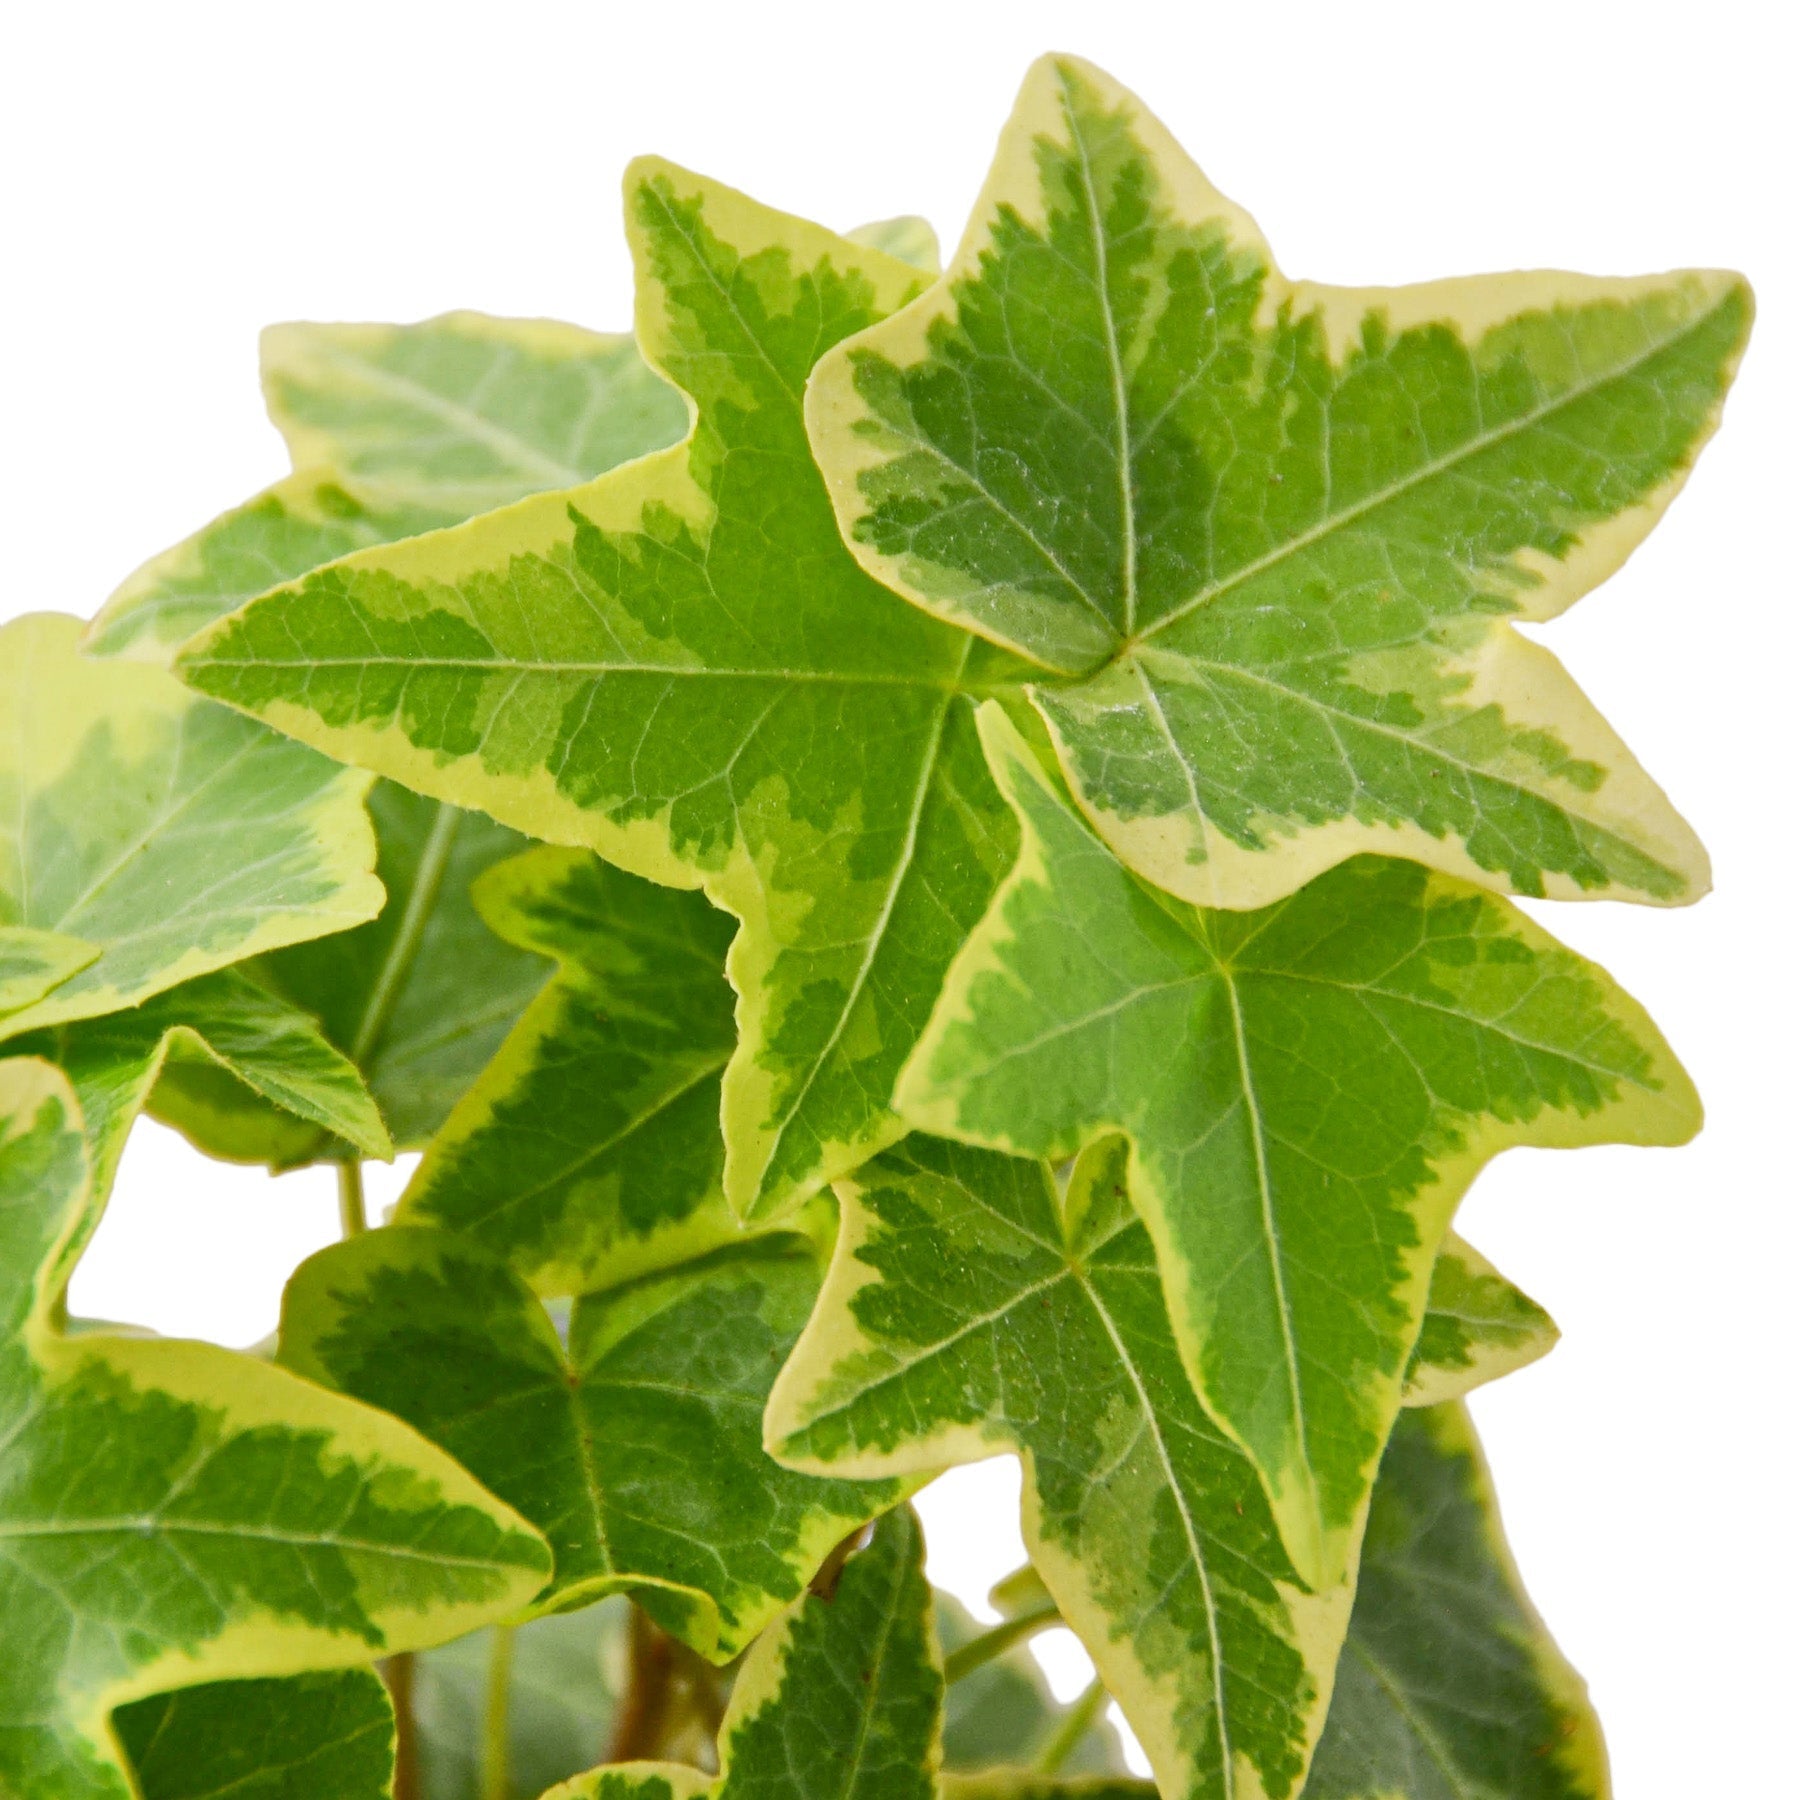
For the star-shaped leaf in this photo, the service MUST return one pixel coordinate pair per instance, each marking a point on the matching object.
(169, 835)
(971, 1309)
(589, 1150)
(1477, 1327)
(840, 1700)
(681, 666)
(635, 1448)
(1308, 1090)
(171, 1513)
(327, 1736)
(394, 430)
(1449, 1685)
(419, 998)
(1278, 533)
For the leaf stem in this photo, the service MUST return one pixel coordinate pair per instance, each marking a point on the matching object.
(353, 1214)
(644, 1713)
(1076, 1723)
(397, 1672)
(965, 1659)
(494, 1742)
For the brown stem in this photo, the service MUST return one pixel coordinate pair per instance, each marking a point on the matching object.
(397, 1672)
(824, 1584)
(644, 1712)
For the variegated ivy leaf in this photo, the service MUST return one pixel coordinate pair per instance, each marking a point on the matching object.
(1274, 535)
(909, 238)
(1308, 1089)
(33, 962)
(589, 1150)
(1021, 1784)
(840, 1700)
(1449, 1685)
(419, 998)
(1477, 1327)
(394, 430)
(169, 834)
(171, 1513)
(971, 1309)
(681, 666)
(323, 1736)
(636, 1448)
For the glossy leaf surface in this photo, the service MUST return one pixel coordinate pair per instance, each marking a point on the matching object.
(1278, 532)
(1308, 1090)
(635, 1449)
(841, 1700)
(1449, 1684)
(303, 1737)
(171, 1513)
(589, 1150)
(681, 666)
(170, 834)
(971, 1309)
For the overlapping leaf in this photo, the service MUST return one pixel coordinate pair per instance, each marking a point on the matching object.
(1449, 1685)
(171, 1513)
(419, 998)
(589, 1151)
(169, 835)
(969, 1310)
(1477, 1327)
(1276, 532)
(841, 1700)
(681, 666)
(394, 430)
(1308, 1089)
(635, 1448)
(326, 1736)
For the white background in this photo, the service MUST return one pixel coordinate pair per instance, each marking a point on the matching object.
(175, 176)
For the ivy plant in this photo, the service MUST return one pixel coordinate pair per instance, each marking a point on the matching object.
(927, 859)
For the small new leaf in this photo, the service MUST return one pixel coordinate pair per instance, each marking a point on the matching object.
(170, 836)
(1308, 1089)
(635, 1448)
(971, 1309)
(171, 1513)
(1449, 1684)
(1272, 535)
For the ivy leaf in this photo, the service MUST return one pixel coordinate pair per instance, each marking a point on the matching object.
(969, 1309)
(1278, 533)
(680, 666)
(395, 430)
(1308, 1090)
(1477, 1327)
(168, 834)
(1449, 1684)
(909, 238)
(419, 999)
(1021, 1784)
(171, 1513)
(635, 1448)
(221, 1024)
(32, 962)
(299, 1738)
(589, 1150)
(841, 1700)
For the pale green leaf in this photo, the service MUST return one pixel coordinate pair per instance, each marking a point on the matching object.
(1477, 1327)
(1450, 1688)
(840, 1700)
(1308, 1089)
(971, 1309)
(170, 833)
(172, 1513)
(303, 1737)
(32, 962)
(1274, 535)
(680, 666)
(395, 430)
(636, 1448)
(589, 1150)
(419, 998)
(908, 237)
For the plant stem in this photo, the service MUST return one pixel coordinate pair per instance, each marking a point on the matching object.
(644, 1712)
(494, 1743)
(353, 1215)
(967, 1658)
(1076, 1723)
(397, 1672)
